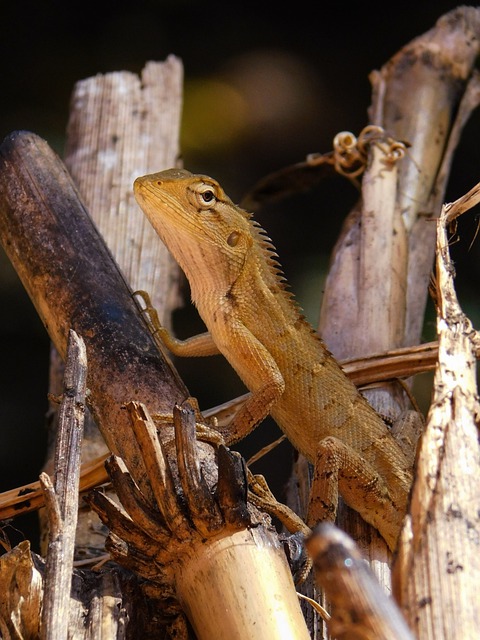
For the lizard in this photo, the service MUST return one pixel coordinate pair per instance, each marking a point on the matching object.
(253, 319)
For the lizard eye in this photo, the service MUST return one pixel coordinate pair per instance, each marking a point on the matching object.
(203, 196)
(206, 197)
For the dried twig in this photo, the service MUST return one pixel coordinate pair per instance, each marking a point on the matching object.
(61, 497)
(392, 365)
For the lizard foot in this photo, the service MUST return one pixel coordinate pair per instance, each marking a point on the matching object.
(262, 497)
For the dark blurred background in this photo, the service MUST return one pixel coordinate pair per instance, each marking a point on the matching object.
(265, 85)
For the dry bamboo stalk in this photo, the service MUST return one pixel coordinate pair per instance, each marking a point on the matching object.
(425, 74)
(73, 283)
(122, 126)
(438, 568)
(360, 607)
(212, 551)
(62, 495)
(210, 590)
(55, 595)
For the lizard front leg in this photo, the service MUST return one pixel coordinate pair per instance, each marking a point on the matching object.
(196, 346)
(260, 373)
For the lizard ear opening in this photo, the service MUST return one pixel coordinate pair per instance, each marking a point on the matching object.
(233, 239)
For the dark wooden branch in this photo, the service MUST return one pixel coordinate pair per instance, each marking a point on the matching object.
(74, 283)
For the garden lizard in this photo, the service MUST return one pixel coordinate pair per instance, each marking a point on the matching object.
(252, 319)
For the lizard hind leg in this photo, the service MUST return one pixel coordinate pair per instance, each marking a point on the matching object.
(339, 469)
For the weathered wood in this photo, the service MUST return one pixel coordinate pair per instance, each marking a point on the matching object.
(100, 602)
(55, 595)
(438, 568)
(21, 586)
(62, 495)
(122, 126)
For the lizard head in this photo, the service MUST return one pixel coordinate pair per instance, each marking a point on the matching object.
(207, 234)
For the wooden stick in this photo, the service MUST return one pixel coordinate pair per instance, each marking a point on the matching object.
(360, 607)
(209, 549)
(62, 497)
(121, 126)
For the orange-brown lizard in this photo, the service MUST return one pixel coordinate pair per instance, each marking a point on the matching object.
(238, 288)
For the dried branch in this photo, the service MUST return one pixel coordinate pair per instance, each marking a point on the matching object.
(438, 565)
(62, 497)
(74, 283)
